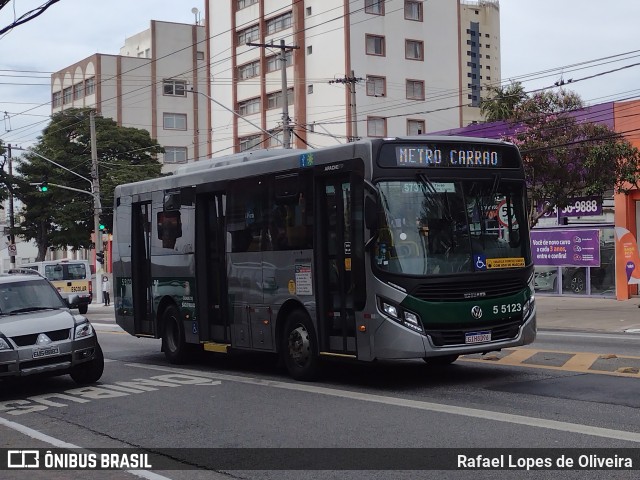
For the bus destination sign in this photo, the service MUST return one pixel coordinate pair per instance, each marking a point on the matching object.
(463, 156)
(448, 155)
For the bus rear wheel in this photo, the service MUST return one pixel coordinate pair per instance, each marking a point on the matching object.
(441, 361)
(300, 347)
(173, 343)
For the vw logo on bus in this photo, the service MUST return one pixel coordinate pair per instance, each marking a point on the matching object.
(476, 312)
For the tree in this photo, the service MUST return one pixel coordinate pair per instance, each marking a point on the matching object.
(565, 156)
(5, 181)
(61, 218)
(502, 101)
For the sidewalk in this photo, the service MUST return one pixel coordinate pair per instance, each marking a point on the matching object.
(588, 314)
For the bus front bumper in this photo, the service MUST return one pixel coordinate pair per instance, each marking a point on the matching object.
(394, 341)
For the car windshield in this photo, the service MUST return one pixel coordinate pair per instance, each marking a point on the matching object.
(435, 227)
(26, 296)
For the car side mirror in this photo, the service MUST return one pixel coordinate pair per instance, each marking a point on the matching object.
(72, 300)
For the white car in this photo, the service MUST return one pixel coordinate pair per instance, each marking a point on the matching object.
(40, 335)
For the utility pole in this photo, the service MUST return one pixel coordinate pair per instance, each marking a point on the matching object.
(12, 224)
(350, 82)
(95, 187)
(286, 130)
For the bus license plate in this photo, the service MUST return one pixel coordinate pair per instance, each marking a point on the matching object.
(45, 352)
(477, 337)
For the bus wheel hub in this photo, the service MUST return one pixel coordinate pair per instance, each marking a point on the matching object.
(299, 346)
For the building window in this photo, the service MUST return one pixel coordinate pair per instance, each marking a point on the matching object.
(375, 45)
(308, 10)
(250, 142)
(249, 70)
(245, 3)
(415, 89)
(175, 88)
(90, 86)
(174, 121)
(413, 50)
(67, 95)
(413, 10)
(274, 100)
(248, 107)
(175, 154)
(376, 127)
(309, 89)
(281, 22)
(375, 7)
(276, 139)
(415, 127)
(250, 34)
(199, 55)
(273, 62)
(78, 91)
(309, 49)
(376, 86)
(56, 99)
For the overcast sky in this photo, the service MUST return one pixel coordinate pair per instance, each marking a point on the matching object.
(564, 38)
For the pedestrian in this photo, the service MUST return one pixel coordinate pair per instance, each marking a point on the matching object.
(105, 290)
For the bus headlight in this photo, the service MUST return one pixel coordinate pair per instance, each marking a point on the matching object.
(527, 308)
(403, 317)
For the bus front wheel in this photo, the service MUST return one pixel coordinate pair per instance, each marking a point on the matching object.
(173, 343)
(300, 347)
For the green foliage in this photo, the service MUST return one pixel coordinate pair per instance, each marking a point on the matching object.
(62, 218)
(5, 180)
(566, 157)
(501, 101)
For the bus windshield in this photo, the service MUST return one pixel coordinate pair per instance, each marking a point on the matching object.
(431, 226)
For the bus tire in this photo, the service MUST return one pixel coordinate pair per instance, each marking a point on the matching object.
(441, 361)
(82, 309)
(173, 343)
(91, 371)
(300, 347)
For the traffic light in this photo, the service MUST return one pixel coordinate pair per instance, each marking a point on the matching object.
(100, 257)
(44, 184)
(102, 227)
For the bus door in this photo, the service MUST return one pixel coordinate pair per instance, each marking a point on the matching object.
(211, 269)
(336, 313)
(141, 268)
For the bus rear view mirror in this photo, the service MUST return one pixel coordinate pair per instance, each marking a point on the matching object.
(371, 213)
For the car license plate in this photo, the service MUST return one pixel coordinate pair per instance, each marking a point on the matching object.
(477, 337)
(45, 352)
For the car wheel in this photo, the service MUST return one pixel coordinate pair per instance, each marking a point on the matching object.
(173, 343)
(441, 361)
(91, 371)
(578, 282)
(83, 308)
(299, 347)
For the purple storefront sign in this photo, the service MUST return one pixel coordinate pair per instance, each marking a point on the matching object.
(566, 248)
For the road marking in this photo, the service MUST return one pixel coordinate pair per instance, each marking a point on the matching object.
(598, 335)
(580, 362)
(416, 404)
(55, 442)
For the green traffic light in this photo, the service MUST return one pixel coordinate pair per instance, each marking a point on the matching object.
(101, 227)
(43, 188)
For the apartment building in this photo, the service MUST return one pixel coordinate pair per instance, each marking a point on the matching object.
(480, 54)
(354, 68)
(149, 86)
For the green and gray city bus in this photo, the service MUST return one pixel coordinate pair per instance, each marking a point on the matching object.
(387, 248)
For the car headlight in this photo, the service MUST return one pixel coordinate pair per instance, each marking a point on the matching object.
(84, 330)
(4, 345)
(403, 317)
